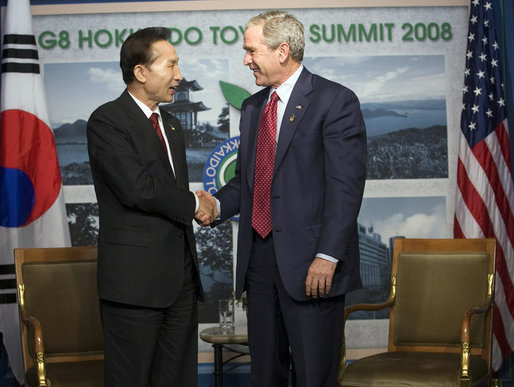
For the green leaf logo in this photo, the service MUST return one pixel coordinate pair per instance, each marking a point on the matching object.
(235, 95)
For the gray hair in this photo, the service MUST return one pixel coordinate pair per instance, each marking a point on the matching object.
(279, 27)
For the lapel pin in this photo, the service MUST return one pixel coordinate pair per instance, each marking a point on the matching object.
(172, 127)
(299, 107)
(292, 118)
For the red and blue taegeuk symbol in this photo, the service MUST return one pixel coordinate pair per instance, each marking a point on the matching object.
(30, 180)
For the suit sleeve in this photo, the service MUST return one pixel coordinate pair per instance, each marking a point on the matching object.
(345, 157)
(229, 195)
(132, 173)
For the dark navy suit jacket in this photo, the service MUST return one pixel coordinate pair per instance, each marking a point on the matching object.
(317, 187)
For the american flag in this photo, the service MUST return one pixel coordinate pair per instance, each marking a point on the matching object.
(485, 196)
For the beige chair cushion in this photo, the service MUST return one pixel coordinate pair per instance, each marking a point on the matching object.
(79, 374)
(413, 369)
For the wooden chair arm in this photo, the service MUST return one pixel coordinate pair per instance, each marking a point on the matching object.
(465, 332)
(39, 347)
(465, 337)
(372, 307)
(366, 307)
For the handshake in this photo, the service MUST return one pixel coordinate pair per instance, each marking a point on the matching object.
(207, 210)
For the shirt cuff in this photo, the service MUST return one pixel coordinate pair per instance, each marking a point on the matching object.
(326, 257)
(218, 207)
(197, 202)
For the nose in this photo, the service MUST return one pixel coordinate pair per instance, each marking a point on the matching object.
(247, 59)
(178, 75)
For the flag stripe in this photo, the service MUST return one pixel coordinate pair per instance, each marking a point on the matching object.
(457, 231)
(6, 269)
(499, 332)
(506, 280)
(501, 156)
(494, 189)
(19, 39)
(19, 53)
(506, 335)
(473, 200)
(466, 223)
(8, 298)
(503, 140)
(8, 283)
(26, 68)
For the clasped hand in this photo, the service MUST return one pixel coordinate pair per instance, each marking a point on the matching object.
(207, 210)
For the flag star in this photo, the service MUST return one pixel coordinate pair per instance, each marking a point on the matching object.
(484, 40)
(491, 96)
(475, 108)
(469, 55)
(487, 6)
(472, 126)
(464, 89)
(463, 106)
(475, 2)
(466, 72)
(494, 63)
(477, 91)
(486, 23)
(473, 20)
(481, 74)
(483, 57)
(501, 102)
(489, 113)
(471, 37)
(492, 80)
(495, 45)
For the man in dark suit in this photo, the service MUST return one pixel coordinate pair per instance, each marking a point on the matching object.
(298, 248)
(148, 277)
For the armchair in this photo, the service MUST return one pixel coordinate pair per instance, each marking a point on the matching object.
(62, 339)
(440, 328)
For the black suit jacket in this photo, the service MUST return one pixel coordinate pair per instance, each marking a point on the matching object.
(145, 211)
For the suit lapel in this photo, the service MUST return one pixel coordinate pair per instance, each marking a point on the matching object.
(293, 115)
(177, 150)
(144, 129)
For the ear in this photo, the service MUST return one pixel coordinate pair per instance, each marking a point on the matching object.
(283, 52)
(140, 73)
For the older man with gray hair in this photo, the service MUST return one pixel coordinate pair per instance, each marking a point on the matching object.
(298, 187)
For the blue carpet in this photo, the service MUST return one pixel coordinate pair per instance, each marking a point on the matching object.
(236, 377)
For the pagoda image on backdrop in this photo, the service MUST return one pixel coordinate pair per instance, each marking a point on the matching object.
(183, 108)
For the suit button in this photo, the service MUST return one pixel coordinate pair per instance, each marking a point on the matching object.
(181, 235)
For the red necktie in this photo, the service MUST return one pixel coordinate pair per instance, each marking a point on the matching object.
(264, 161)
(154, 119)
